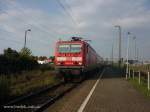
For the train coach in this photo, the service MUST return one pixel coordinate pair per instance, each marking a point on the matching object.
(74, 58)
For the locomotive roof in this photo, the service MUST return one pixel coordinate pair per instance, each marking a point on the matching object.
(69, 41)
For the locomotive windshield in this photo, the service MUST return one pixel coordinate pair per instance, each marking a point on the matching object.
(75, 48)
(66, 48)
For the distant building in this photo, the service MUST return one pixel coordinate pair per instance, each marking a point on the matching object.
(42, 62)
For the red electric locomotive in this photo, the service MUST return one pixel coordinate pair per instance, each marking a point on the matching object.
(75, 57)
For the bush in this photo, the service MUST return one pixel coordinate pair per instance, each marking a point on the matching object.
(13, 62)
(4, 88)
(45, 67)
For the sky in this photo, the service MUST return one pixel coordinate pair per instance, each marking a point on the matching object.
(51, 20)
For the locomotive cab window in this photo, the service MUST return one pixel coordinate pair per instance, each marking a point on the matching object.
(64, 48)
(75, 48)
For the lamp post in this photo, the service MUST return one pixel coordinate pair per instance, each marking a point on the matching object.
(127, 57)
(137, 53)
(119, 28)
(134, 38)
(112, 55)
(26, 37)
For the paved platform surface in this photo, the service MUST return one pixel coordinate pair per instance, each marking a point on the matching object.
(114, 94)
(72, 101)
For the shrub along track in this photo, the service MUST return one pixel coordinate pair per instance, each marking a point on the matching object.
(38, 101)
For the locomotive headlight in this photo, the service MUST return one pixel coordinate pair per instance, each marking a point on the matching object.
(61, 58)
(80, 63)
(76, 58)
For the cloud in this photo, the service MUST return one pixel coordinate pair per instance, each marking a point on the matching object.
(44, 28)
(95, 20)
(99, 17)
(135, 21)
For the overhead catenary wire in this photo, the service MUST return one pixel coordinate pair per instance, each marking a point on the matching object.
(21, 12)
(71, 12)
(40, 27)
(67, 12)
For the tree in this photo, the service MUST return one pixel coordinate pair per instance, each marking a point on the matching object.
(42, 58)
(10, 53)
(35, 57)
(25, 52)
(12, 61)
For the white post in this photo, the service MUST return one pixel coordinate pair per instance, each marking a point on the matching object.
(148, 82)
(139, 77)
(129, 73)
(126, 74)
(133, 75)
(127, 57)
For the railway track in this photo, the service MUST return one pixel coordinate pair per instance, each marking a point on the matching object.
(39, 101)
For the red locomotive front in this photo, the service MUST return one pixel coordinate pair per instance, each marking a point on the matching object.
(75, 57)
(69, 54)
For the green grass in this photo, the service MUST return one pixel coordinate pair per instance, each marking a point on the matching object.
(19, 84)
(142, 87)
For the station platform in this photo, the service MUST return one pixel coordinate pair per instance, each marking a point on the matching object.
(115, 94)
(112, 93)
